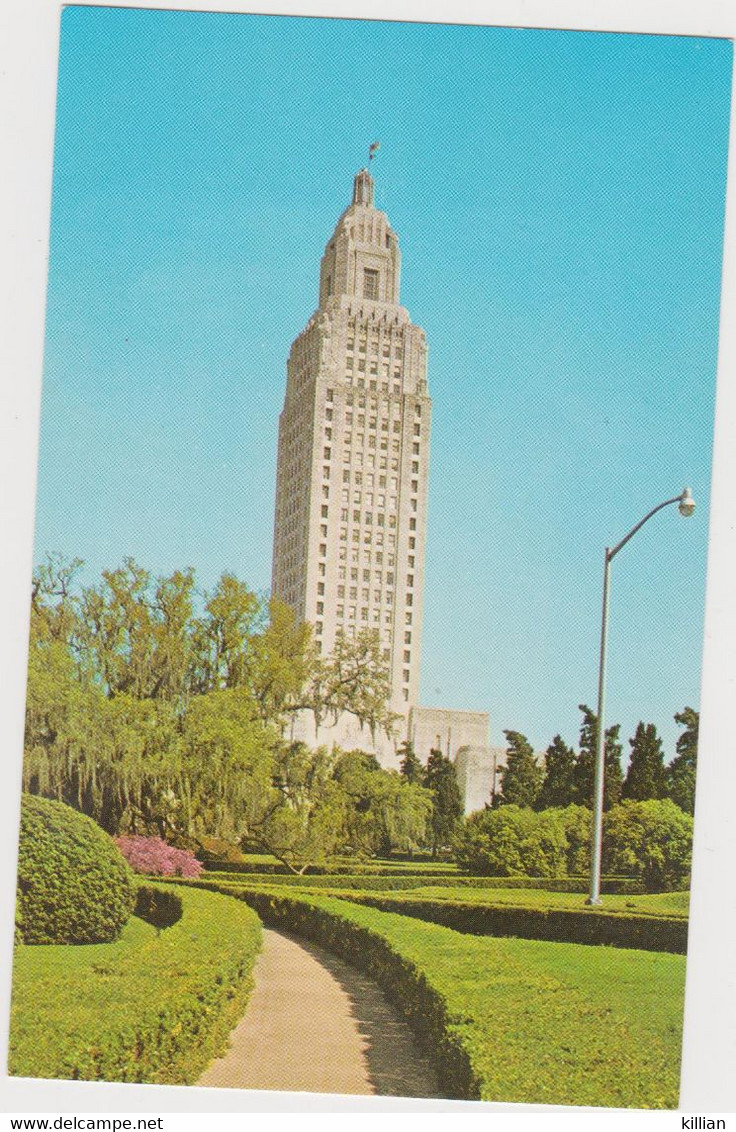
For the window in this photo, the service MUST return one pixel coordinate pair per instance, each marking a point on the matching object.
(330, 394)
(320, 588)
(370, 283)
(325, 511)
(320, 607)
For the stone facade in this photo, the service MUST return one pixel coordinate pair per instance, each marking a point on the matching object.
(478, 769)
(351, 488)
(351, 494)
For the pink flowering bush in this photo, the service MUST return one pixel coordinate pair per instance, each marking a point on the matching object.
(154, 857)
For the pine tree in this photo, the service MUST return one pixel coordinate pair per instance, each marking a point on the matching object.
(410, 766)
(559, 771)
(521, 778)
(681, 771)
(584, 776)
(447, 805)
(646, 777)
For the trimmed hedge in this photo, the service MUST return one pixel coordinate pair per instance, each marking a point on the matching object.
(584, 925)
(624, 886)
(158, 907)
(73, 884)
(149, 1008)
(351, 868)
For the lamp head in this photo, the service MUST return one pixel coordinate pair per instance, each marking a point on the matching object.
(687, 504)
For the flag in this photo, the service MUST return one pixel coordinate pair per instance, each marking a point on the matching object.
(373, 149)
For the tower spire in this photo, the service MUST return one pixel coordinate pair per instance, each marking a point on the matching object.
(363, 188)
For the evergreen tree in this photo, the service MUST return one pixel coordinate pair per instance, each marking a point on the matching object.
(559, 771)
(521, 778)
(410, 766)
(584, 776)
(447, 806)
(646, 777)
(681, 771)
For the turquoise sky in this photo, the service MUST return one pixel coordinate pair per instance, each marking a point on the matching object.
(559, 200)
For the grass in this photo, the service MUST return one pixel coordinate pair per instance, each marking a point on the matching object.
(552, 1023)
(656, 904)
(153, 1006)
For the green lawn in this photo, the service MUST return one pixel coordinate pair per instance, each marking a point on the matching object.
(149, 1007)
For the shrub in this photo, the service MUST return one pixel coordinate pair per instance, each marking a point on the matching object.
(651, 840)
(576, 823)
(512, 841)
(73, 884)
(157, 906)
(154, 857)
(213, 852)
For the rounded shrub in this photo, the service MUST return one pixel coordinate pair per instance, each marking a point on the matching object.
(649, 840)
(73, 884)
(512, 841)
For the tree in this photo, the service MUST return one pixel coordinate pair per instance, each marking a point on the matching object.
(355, 678)
(645, 777)
(521, 778)
(385, 812)
(650, 840)
(447, 804)
(152, 718)
(304, 816)
(559, 773)
(584, 776)
(681, 771)
(410, 766)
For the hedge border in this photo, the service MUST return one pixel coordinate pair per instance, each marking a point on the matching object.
(557, 925)
(620, 886)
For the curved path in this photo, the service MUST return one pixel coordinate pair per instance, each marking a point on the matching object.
(315, 1024)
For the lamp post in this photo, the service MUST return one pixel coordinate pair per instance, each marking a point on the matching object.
(686, 508)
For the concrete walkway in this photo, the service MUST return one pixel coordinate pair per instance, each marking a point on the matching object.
(315, 1024)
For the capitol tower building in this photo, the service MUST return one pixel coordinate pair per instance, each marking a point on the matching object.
(351, 489)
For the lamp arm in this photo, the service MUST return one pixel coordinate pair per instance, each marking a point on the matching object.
(619, 545)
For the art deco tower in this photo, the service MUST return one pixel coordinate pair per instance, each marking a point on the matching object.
(351, 495)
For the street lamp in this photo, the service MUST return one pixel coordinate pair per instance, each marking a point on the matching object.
(686, 507)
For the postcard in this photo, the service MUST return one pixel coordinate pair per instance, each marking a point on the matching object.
(369, 580)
